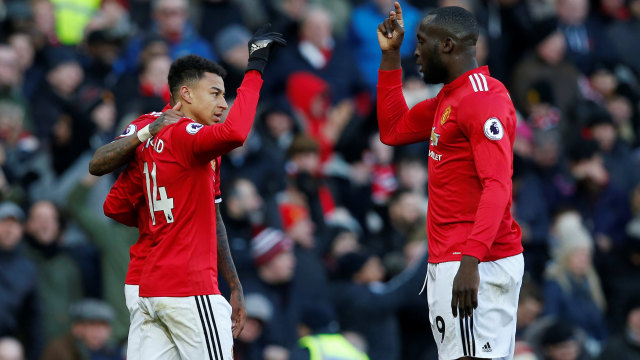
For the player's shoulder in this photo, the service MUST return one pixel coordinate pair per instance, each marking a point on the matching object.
(187, 126)
(480, 83)
(140, 122)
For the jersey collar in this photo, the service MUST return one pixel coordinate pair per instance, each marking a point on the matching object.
(464, 78)
(166, 107)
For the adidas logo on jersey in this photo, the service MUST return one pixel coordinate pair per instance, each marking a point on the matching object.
(487, 347)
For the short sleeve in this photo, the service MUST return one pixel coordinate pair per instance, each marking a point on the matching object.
(125, 196)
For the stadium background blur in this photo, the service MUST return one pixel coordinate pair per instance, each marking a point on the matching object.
(74, 73)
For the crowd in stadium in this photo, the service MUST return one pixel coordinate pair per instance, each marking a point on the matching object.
(343, 213)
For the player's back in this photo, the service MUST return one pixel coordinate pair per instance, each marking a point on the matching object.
(180, 195)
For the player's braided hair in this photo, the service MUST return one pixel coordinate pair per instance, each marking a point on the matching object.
(456, 21)
(189, 69)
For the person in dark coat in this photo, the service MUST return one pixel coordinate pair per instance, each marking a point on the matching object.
(626, 345)
(367, 306)
(20, 314)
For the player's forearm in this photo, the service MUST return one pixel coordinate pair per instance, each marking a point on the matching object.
(491, 208)
(391, 60)
(226, 266)
(219, 139)
(113, 155)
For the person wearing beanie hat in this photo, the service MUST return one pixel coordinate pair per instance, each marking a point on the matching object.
(231, 45)
(259, 313)
(572, 287)
(90, 333)
(559, 341)
(279, 282)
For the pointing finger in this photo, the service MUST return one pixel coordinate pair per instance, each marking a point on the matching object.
(399, 13)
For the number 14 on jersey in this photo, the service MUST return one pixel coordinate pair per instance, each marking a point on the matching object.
(164, 203)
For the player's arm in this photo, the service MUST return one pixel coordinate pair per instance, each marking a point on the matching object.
(125, 196)
(113, 155)
(488, 121)
(227, 268)
(398, 125)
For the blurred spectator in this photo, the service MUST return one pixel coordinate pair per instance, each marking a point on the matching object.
(626, 345)
(277, 280)
(310, 98)
(89, 335)
(412, 174)
(249, 345)
(297, 225)
(319, 53)
(624, 39)
(231, 45)
(603, 205)
(616, 154)
(364, 40)
(18, 144)
(23, 44)
(367, 306)
(319, 336)
(216, 15)
(10, 75)
(277, 126)
(102, 50)
(59, 280)
(11, 349)
(20, 314)
(383, 179)
(71, 17)
(548, 64)
(44, 21)
(561, 342)
(113, 241)
(171, 23)
(587, 43)
(572, 288)
(53, 99)
(243, 210)
(530, 306)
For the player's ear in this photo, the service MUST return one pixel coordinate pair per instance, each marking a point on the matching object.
(446, 45)
(185, 94)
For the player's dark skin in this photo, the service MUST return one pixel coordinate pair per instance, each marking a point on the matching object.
(442, 57)
(113, 155)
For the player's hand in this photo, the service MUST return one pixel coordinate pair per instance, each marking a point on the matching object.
(168, 117)
(465, 287)
(238, 312)
(260, 45)
(391, 30)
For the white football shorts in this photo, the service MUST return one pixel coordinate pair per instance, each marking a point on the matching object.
(135, 321)
(490, 332)
(193, 327)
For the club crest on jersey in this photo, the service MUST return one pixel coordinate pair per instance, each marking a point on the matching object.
(130, 130)
(445, 115)
(193, 128)
(493, 129)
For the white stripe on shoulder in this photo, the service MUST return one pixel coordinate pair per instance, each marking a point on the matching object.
(473, 83)
(480, 88)
(484, 82)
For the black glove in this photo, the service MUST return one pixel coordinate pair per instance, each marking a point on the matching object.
(259, 47)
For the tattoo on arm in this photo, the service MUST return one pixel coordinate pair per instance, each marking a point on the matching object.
(111, 156)
(226, 267)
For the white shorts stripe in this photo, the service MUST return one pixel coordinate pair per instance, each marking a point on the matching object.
(484, 82)
(215, 327)
(204, 329)
(473, 83)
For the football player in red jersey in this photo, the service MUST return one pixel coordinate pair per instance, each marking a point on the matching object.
(475, 251)
(127, 204)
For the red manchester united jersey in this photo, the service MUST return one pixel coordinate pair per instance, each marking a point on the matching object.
(126, 204)
(470, 126)
(177, 175)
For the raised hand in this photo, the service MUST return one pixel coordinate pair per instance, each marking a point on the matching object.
(391, 30)
(259, 46)
(168, 117)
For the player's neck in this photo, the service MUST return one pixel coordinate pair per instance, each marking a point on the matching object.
(460, 67)
(188, 112)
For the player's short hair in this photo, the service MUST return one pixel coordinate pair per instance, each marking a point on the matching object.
(189, 69)
(457, 21)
